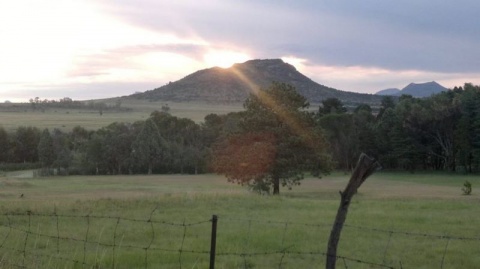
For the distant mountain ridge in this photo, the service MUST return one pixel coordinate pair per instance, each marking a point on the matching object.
(234, 84)
(419, 90)
(391, 91)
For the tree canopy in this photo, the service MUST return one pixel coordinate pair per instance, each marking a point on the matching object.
(273, 142)
(149, 146)
(277, 142)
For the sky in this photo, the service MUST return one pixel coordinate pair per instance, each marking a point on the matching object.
(90, 49)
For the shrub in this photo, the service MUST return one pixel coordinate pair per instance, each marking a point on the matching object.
(467, 188)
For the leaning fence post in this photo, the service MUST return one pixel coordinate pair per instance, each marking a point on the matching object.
(213, 242)
(365, 167)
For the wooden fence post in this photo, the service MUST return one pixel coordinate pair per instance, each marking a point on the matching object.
(213, 243)
(365, 167)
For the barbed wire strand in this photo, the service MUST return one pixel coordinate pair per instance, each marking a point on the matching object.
(114, 243)
(44, 255)
(387, 246)
(444, 253)
(181, 246)
(283, 252)
(247, 244)
(27, 233)
(373, 229)
(86, 240)
(58, 233)
(152, 237)
(8, 233)
(416, 234)
(109, 217)
(345, 263)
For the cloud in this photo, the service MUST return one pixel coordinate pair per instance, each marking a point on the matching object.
(137, 59)
(372, 79)
(397, 35)
(350, 45)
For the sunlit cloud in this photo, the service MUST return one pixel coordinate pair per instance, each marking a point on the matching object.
(372, 79)
(71, 43)
(67, 44)
(224, 58)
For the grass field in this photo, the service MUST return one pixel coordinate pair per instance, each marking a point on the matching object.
(14, 115)
(398, 220)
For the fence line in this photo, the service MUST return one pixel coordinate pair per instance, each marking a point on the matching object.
(117, 243)
(26, 256)
(437, 236)
(416, 234)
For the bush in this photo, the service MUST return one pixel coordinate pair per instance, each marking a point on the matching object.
(467, 188)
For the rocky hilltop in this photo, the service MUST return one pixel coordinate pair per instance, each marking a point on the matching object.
(234, 84)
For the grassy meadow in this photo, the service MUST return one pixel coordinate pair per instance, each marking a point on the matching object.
(397, 219)
(13, 116)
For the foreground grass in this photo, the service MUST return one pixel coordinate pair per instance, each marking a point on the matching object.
(401, 220)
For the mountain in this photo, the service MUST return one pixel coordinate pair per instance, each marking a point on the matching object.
(234, 84)
(391, 91)
(418, 90)
(423, 89)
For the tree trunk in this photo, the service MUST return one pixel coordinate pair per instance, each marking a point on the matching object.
(365, 167)
(276, 185)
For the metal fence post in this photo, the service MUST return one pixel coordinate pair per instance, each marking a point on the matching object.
(213, 243)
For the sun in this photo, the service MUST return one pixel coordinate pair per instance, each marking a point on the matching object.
(224, 58)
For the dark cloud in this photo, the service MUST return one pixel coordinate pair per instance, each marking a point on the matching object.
(440, 36)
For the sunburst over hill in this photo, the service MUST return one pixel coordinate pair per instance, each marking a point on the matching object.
(234, 84)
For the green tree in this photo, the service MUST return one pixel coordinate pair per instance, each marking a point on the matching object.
(364, 122)
(387, 102)
(384, 130)
(436, 119)
(94, 153)
(467, 128)
(407, 144)
(340, 132)
(46, 152)
(349, 134)
(117, 147)
(61, 145)
(149, 146)
(4, 146)
(276, 144)
(332, 105)
(25, 144)
(187, 143)
(79, 137)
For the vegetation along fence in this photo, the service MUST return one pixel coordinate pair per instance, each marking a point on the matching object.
(39, 240)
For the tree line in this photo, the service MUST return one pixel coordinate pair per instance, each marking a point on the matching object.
(38, 104)
(161, 144)
(439, 133)
(273, 142)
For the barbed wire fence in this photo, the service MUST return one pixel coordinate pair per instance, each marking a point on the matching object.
(50, 240)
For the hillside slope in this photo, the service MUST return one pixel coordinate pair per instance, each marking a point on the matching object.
(391, 91)
(418, 90)
(234, 84)
(423, 89)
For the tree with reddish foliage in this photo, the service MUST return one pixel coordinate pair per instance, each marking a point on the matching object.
(277, 142)
(246, 158)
